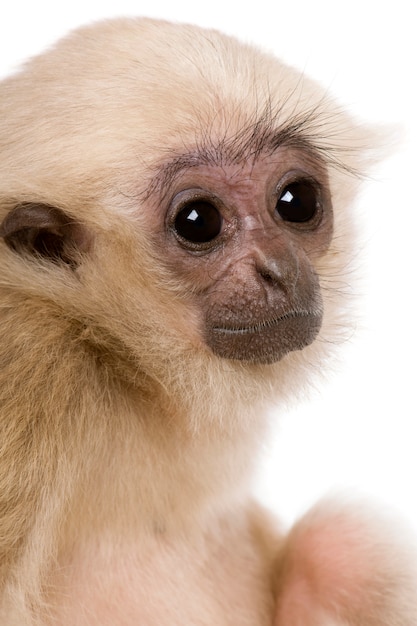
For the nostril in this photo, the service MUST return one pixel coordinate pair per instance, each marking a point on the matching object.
(267, 276)
(273, 271)
(278, 273)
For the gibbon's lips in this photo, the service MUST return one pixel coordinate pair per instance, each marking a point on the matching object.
(267, 341)
(260, 326)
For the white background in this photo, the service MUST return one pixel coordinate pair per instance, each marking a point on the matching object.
(358, 430)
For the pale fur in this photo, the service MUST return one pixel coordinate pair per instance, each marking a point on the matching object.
(126, 446)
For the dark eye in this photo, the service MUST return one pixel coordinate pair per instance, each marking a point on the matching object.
(298, 202)
(199, 221)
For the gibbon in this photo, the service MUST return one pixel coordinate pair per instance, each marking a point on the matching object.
(175, 224)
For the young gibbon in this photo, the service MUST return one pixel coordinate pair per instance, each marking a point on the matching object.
(175, 218)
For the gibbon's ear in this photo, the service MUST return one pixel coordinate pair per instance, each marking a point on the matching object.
(44, 231)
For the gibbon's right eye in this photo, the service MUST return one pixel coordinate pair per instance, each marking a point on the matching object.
(298, 202)
(199, 221)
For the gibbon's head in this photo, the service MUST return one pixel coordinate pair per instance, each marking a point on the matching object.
(177, 196)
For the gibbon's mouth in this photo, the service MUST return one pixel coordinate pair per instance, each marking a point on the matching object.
(267, 341)
(260, 326)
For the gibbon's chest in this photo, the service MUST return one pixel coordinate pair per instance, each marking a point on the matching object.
(181, 584)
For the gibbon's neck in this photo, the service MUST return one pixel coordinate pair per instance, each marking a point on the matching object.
(161, 459)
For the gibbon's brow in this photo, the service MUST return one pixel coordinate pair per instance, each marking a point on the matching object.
(249, 144)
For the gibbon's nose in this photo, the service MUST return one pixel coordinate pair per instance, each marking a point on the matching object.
(279, 271)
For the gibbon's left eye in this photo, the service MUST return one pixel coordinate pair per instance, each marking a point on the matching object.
(199, 221)
(298, 202)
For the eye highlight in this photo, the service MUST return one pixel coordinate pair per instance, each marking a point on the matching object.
(298, 202)
(198, 221)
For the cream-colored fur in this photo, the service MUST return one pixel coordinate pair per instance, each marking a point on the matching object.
(125, 445)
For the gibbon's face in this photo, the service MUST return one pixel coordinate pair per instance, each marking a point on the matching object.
(223, 172)
(244, 235)
(241, 233)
